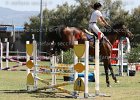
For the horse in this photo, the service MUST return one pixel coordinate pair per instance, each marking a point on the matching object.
(62, 38)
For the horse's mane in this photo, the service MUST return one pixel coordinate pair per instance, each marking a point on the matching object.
(112, 30)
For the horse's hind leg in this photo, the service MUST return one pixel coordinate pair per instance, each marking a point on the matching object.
(106, 72)
(112, 73)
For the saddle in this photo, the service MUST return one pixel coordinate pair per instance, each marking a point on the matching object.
(90, 33)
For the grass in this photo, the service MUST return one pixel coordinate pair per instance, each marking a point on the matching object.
(13, 87)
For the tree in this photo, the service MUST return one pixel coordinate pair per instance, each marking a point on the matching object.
(134, 25)
(79, 15)
(31, 28)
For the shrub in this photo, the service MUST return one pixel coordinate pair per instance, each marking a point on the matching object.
(134, 55)
(68, 57)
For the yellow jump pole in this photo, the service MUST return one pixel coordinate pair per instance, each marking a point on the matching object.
(27, 59)
(53, 86)
(58, 88)
(75, 62)
(30, 65)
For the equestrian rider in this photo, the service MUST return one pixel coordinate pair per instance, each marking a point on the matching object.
(95, 17)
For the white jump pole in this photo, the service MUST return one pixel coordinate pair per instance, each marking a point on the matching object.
(1, 55)
(7, 52)
(128, 51)
(53, 63)
(62, 58)
(75, 62)
(97, 67)
(128, 45)
(86, 95)
(35, 63)
(121, 59)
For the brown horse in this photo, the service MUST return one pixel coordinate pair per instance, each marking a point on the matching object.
(62, 38)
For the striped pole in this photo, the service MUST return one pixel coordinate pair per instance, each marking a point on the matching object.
(63, 67)
(53, 62)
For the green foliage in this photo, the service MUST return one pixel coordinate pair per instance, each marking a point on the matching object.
(68, 57)
(134, 55)
(134, 24)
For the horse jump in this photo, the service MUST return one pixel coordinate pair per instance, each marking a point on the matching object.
(8, 59)
(33, 80)
(120, 49)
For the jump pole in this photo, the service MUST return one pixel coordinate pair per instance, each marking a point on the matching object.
(35, 63)
(97, 69)
(75, 62)
(97, 66)
(62, 58)
(58, 88)
(7, 52)
(53, 86)
(86, 94)
(27, 59)
(1, 55)
(86, 62)
(121, 57)
(53, 63)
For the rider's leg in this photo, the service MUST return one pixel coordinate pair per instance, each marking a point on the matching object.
(95, 29)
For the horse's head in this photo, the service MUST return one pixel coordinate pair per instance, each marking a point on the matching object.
(122, 30)
(53, 38)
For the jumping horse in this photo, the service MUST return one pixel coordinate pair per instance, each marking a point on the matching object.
(62, 38)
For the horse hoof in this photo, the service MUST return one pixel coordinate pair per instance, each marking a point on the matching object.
(108, 85)
(117, 82)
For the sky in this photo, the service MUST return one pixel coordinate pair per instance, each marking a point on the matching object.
(131, 4)
(34, 5)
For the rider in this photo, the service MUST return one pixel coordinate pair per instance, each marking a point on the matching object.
(97, 16)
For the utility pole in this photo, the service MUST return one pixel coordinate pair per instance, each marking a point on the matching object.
(41, 21)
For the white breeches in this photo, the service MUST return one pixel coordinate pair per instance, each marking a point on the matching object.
(93, 27)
